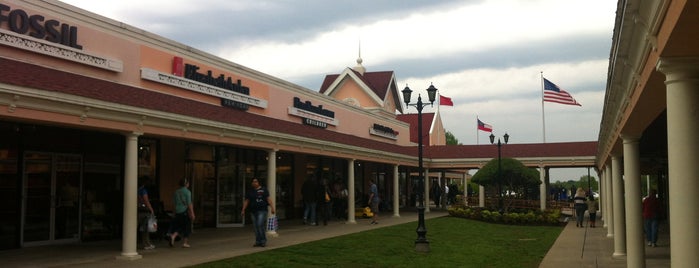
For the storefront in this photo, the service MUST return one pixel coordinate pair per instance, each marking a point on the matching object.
(90, 104)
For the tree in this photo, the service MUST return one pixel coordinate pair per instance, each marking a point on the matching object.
(451, 140)
(588, 183)
(515, 178)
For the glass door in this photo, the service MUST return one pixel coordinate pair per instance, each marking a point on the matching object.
(51, 190)
(231, 189)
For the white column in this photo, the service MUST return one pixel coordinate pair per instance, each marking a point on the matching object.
(635, 249)
(427, 190)
(129, 239)
(609, 201)
(396, 192)
(619, 221)
(542, 189)
(272, 181)
(481, 196)
(350, 189)
(682, 83)
(465, 184)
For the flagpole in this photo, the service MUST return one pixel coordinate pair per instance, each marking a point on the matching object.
(477, 137)
(543, 118)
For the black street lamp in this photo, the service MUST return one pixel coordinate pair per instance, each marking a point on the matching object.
(421, 243)
(492, 141)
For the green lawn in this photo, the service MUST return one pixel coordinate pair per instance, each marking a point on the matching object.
(454, 242)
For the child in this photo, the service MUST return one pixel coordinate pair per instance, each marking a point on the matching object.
(592, 210)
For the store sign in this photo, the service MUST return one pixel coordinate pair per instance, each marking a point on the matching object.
(36, 34)
(315, 123)
(187, 76)
(37, 26)
(221, 81)
(383, 131)
(224, 94)
(316, 114)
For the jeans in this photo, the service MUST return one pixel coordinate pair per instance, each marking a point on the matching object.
(651, 228)
(143, 227)
(259, 222)
(310, 213)
(579, 214)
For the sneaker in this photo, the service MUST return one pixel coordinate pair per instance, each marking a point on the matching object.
(171, 241)
(313, 224)
(655, 245)
(149, 247)
(185, 245)
(649, 243)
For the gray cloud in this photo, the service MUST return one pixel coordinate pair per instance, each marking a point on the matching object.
(288, 21)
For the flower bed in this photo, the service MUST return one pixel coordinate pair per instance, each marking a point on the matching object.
(521, 217)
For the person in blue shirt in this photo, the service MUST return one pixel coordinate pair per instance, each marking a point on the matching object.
(145, 211)
(257, 198)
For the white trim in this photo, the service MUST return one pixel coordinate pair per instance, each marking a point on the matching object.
(44, 47)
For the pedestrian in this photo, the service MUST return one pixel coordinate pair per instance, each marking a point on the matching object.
(309, 190)
(436, 192)
(651, 212)
(326, 202)
(145, 211)
(592, 210)
(374, 201)
(340, 203)
(580, 206)
(184, 215)
(257, 198)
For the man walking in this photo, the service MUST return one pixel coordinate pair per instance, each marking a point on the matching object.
(258, 199)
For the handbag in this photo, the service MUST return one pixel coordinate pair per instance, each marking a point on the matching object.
(272, 223)
(152, 224)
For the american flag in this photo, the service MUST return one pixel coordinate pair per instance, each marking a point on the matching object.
(553, 93)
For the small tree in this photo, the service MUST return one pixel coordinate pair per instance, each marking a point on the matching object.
(451, 139)
(514, 178)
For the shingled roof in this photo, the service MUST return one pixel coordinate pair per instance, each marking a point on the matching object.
(411, 119)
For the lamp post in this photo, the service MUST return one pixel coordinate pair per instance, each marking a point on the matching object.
(492, 141)
(421, 243)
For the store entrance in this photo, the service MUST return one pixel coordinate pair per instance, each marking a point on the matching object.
(51, 198)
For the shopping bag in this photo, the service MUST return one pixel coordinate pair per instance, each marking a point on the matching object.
(272, 224)
(152, 224)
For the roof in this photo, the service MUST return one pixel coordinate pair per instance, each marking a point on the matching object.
(34, 76)
(513, 150)
(378, 82)
(411, 119)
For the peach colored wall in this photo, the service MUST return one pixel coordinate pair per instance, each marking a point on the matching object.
(438, 136)
(350, 89)
(136, 54)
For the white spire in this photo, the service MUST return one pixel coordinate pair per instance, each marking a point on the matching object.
(359, 68)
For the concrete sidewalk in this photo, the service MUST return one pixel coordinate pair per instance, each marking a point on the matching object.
(590, 247)
(575, 247)
(207, 245)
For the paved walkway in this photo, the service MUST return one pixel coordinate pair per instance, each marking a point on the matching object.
(215, 244)
(590, 247)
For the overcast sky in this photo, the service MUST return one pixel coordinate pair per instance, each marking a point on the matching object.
(488, 56)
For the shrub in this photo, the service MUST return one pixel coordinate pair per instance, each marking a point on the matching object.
(522, 217)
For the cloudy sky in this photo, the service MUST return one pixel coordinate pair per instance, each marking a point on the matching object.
(487, 55)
